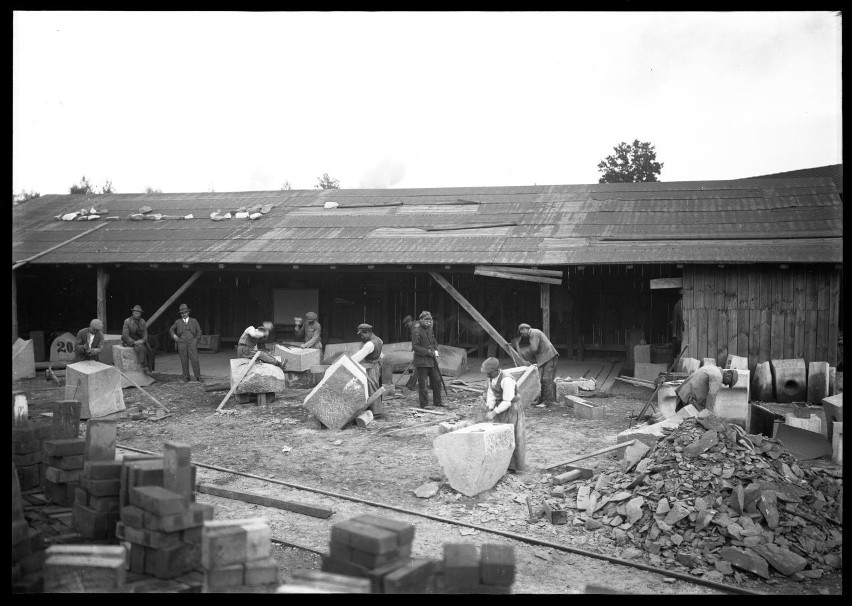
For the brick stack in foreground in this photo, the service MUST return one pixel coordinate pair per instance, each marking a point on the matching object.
(63, 454)
(463, 570)
(236, 556)
(27, 546)
(85, 569)
(96, 505)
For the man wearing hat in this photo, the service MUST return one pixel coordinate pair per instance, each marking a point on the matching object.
(503, 405)
(310, 331)
(89, 342)
(545, 355)
(134, 333)
(701, 387)
(370, 357)
(185, 333)
(410, 324)
(425, 348)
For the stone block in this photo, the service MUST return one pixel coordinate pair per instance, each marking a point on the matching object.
(397, 355)
(736, 362)
(23, 360)
(709, 362)
(98, 503)
(147, 538)
(30, 476)
(334, 350)
(762, 385)
(649, 372)
(818, 379)
(156, 500)
(124, 358)
(299, 359)
(497, 564)
(93, 524)
(837, 442)
(476, 457)
(100, 440)
(641, 354)
(731, 403)
(667, 398)
(106, 355)
(81, 573)
(229, 542)
(583, 409)
(340, 396)
(413, 577)
(27, 459)
(262, 378)
(689, 365)
(173, 561)
(66, 419)
(746, 560)
(59, 476)
(28, 447)
(261, 572)
(452, 361)
(781, 559)
(566, 388)
(365, 537)
(177, 470)
(102, 470)
(194, 517)
(403, 530)
(813, 423)
(832, 407)
(60, 494)
(101, 488)
(461, 565)
(529, 383)
(96, 385)
(302, 380)
(62, 348)
(789, 378)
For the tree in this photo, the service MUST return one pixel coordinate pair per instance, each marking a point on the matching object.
(326, 182)
(286, 186)
(84, 187)
(24, 196)
(151, 190)
(631, 163)
(107, 187)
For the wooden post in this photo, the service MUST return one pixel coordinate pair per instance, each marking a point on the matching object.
(103, 281)
(545, 310)
(14, 306)
(174, 297)
(516, 357)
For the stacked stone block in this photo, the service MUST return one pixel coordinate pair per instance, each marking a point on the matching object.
(63, 454)
(85, 569)
(96, 504)
(27, 546)
(465, 569)
(27, 440)
(236, 557)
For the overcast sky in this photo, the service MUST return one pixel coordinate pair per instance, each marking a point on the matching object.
(189, 102)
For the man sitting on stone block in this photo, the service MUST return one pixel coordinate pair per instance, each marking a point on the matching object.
(701, 387)
(310, 331)
(546, 357)
(502, 404)
(370, 357)
(247, 346)
(134, 333)
(89, 342)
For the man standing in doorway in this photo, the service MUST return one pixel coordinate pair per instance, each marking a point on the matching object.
(546, 357)
(310, 331)
(89, 342)
(185, 333)
(425, 348)
(134, 333)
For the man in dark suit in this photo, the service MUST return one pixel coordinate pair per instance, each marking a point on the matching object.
(425, 348)
(185, 333)
(409, 323)
(89, 342)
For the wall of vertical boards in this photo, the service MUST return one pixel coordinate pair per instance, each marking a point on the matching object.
(762, 312)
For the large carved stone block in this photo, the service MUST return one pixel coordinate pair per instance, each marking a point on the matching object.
(23, 360)
(62, 348)
(96, 385)
(341, 394)
(397, 355)
(762, 385)
(818, 378)
(790, 379)
(732, 402)
(298, 359)
(529, 383)
(262, 378)
(125, 360)
(475, 458)
(452, 361)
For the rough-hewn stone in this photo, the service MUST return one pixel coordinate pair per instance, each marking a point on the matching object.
(262, 378)
(476, 457)
(731, 403)
(529, 383)
(298, 359)
(340, 396)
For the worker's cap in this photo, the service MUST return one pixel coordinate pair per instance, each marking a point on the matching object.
(406, 320)
(524, 325)
(310, 316)
(183, 308)
(425, 315)
(490, 365)
(96, 324)
(136, 308)
(733, 374)
(362, 328)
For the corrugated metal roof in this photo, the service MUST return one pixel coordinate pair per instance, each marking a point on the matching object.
(780, 220)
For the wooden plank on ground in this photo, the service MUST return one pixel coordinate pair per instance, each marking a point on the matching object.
(298, 507)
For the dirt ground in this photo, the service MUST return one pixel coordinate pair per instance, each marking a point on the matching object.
(282, 440)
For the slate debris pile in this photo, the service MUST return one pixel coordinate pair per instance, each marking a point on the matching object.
(713, 500)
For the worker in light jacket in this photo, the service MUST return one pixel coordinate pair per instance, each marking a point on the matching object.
(545, 355)
(185, 332)
(89, 342)
(503, 405)
(425, 348)
(247, 347)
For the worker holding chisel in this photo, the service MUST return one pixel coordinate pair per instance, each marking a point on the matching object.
(504, 406)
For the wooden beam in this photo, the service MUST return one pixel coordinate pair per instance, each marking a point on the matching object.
(666, 283)
(546, 273)
(516, 357)
(52, 248)
(103, 281)
(174, 297)
(259, 499)
(591, 454)
(545, 310)
(516, 276)
(457, 226)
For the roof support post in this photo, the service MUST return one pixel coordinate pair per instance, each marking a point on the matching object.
(103, 281)
(174, 297)
(516, 357)
(545, 309)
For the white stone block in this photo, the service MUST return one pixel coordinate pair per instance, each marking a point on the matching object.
(340, 396)
(96, 385)
(529, 383)
(813, 423)
(23, 360)
(641, 354)
(790, 379)
(475, 458)
(334, 350)
(62, 348)
(708, 362)
(110, 341)
(762, 385)
(298, 359)
(689, 365)
(731, 403)
(736, 362)
(262, 378)
(667, 398)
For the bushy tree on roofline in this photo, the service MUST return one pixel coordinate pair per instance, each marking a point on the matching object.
(326, 182)
(632, 163)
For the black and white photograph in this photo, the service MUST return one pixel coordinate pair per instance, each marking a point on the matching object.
(427, 302)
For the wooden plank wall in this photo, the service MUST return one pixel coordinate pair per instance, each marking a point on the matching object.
(761, 312)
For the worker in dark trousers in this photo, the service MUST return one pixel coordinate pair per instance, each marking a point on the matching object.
(503, 405)
(185, 332)
(425, 348)
(701, 387)
(546, 357)
(409, 323)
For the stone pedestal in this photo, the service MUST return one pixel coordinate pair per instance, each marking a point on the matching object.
(341, 394)
(818, 379)
(110, 341)
(62, 348)
(731, 403)
(397, 355)
(529, 383)
(262, 378)
(641, 354)
(23, 360)
(452, 361)
(125, 360)
(475, 458)
(790, 380)
(96, 385)
(762, 385)
(298, 359)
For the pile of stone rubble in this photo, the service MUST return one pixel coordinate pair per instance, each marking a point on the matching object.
(713, 500)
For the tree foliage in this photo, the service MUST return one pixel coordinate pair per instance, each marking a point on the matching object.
(24, 196)
(151, 190)
(84, 187)
(286, 186)
(107, 187)
(632, 163)
(326, 182)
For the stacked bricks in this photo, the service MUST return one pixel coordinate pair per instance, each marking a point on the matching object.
(96, 504)
(27, 546)
(63, 454)
(463, 570)
(160, 524)
(85, 569)
(27, 440)
(236, 556)
(379, 549)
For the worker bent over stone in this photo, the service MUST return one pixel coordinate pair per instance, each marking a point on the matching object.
(247, 346)
(701, 387)
(89, 342)
(310, 331)
(503, 405)
(370, 357)
(134, 333)
(544, 354)
(425, 348)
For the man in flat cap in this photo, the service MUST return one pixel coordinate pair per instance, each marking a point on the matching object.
(503, 405)
(425, 348)
(185, 332)
(134, 333)
(410, 324)
(310, 331)
(545, 356)
(248, 346)
(89, 342)
(370, 357)
(701, 387)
